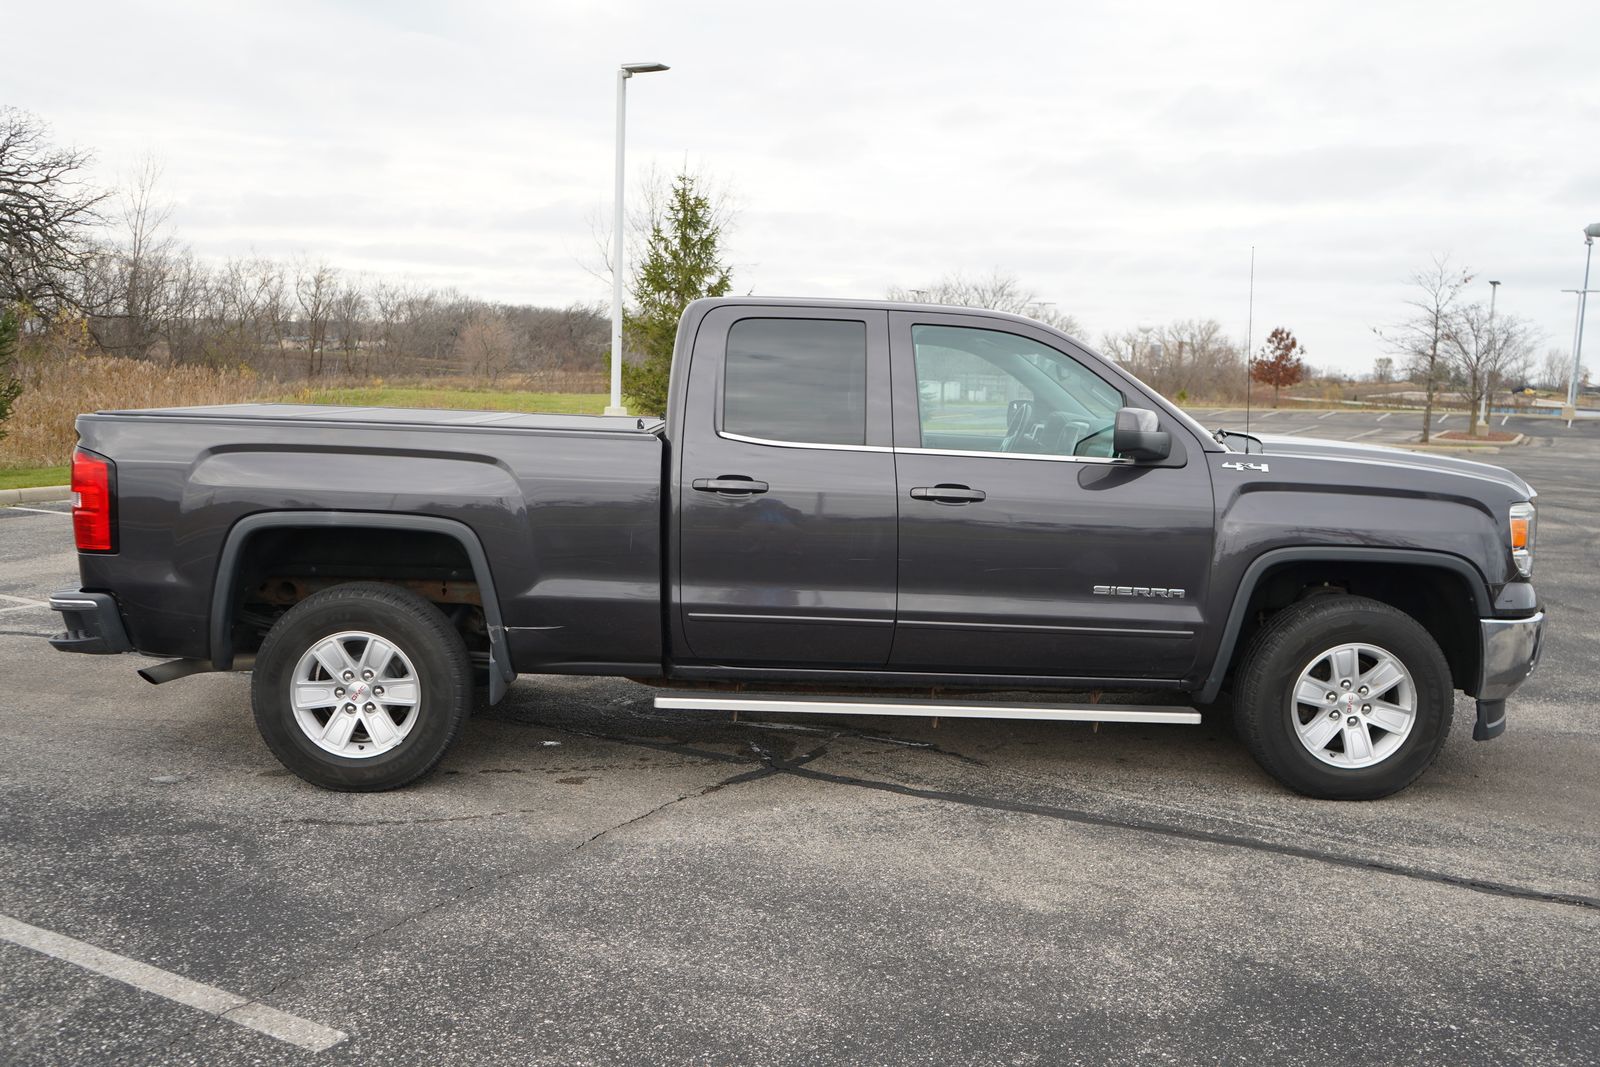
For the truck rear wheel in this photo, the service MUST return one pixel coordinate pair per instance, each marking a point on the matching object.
(1343, 698)
(361, 687)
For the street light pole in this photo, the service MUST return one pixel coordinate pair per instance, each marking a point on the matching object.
(1590, 232)
(1488, 375)
(624, 72)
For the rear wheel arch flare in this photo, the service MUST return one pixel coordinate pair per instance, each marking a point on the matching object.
(225, 589)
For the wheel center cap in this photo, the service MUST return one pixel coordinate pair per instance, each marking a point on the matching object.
(358, 691)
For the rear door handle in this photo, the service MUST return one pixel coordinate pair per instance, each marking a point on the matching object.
(731, 484)
(949, 494)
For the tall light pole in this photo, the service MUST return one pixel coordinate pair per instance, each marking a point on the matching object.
(1590, 232)
(624, 72)
(1488, 377)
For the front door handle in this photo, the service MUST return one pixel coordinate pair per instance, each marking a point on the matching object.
(949, 494)
(731, 484)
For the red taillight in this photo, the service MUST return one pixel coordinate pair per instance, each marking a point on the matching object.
(91, 502)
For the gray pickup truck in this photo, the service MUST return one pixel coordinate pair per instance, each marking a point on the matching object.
(851, 507)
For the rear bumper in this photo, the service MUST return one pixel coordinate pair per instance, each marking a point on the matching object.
(94, 625)
(1509, 651)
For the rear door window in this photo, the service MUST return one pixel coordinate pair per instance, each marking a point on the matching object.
(796, 380)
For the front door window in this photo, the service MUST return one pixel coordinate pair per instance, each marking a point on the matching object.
(989, 391)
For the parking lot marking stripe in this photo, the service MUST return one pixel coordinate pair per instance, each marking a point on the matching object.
(1369, 433)
(22, 603)
(291, 1029)
(1385, 415)
(42, 511)
(1327, 415)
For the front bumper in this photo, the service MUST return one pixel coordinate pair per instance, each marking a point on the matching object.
(94, 624)
(1509, 651)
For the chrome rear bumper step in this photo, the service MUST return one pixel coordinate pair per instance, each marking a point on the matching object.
(953, 709)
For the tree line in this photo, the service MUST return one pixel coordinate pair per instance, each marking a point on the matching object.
(96, 270)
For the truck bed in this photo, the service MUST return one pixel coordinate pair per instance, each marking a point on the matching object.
(567, 509)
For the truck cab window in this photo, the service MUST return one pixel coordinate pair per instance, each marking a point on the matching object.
(800, 380)
(988, 391)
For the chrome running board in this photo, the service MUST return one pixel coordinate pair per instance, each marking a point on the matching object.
(954, 709)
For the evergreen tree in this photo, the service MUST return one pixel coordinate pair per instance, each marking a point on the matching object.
(682, 263)
(10, 386)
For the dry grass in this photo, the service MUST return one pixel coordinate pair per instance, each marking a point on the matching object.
(40, 432)
(57, 389)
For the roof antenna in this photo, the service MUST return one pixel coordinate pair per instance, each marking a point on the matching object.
(1249, 329)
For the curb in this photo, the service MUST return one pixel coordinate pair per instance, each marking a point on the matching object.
(1466, 446)
(39, 494)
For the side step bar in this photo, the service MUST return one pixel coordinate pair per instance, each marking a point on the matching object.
(953, 709)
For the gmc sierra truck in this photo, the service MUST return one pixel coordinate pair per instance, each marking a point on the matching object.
(846, 503)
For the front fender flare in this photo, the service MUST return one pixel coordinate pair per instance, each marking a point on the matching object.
(1328, 553)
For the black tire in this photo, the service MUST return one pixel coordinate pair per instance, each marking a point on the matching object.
(443, 675)
(1289, 642)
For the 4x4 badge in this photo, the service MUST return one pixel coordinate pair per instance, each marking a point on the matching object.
(1262, 467)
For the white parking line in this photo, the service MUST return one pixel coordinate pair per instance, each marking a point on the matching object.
(41, 511)
(1440, 420)
(1503, 420)
(1328, 414)
(1297, 429)
(1385, 415)
(1369, 433)
(1266, 414)
(290, 1029)
(22, 603)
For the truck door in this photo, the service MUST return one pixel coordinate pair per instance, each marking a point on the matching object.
(1026, 546)
(785, 491)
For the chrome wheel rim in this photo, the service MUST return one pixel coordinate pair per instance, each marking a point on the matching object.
(355, 695)
(1353, 705)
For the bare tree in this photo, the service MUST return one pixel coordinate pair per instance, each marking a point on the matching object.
(47, 213)
(1555, 368)
(999, 291)
(1480, 350)
(348, 311)
(145, 261)
(1419, 338)
(314, 290)
(485, 344)
(1187, 358)
(1383, 370)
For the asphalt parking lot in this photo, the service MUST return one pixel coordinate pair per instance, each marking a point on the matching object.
(591, 881)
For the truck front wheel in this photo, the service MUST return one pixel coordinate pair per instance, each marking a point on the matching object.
(361, 687)
(1343, 698)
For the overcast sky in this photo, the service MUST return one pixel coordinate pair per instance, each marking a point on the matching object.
(1121, 159)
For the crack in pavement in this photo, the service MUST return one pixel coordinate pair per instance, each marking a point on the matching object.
(736, 779)
(1212, 837)
(475, 889)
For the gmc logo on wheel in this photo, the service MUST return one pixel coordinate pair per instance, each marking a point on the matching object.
(1138, 590)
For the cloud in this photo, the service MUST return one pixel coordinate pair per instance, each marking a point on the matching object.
(1122, 159)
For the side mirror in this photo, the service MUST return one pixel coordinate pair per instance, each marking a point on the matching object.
(1137, 438)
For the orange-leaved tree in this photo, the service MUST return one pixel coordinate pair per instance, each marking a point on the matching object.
(1281, 362)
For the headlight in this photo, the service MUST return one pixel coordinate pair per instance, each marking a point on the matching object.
(1522, 534)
